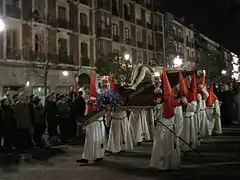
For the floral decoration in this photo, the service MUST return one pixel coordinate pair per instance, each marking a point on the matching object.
(109, 100)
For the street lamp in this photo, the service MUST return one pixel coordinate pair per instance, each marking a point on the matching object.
(2, 25)
(177, 61)
(65, 73)
(126, 57)
(224, 72)
(27, 83)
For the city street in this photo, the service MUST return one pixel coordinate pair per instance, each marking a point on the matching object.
(221, 158)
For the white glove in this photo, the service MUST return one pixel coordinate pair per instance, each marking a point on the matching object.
(184, 100)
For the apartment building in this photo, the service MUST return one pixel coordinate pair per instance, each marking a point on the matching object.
(130, 27)
(179, 41)
(58, 32)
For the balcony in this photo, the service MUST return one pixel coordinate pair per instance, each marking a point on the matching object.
(84, 30)
(84, 2)
(64, 59)
(127, 17)
(128, 41)
(13, 11)
(104, 32)
(179, 39)
(85, 61)
(13, 53)
(140, 44)
(115, 11)
(116, 38)
(103, 5)
(140, 22)
(63, 23)
(149, 25)
(150, 46)
(149, 6)
(158, 28)
(189, 44)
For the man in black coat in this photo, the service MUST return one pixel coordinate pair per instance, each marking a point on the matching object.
(78, 109)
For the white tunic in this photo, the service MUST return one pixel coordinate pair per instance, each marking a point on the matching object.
(213, 118)
(119, 135)
(166, 152)
(95, 140)
(139, 126)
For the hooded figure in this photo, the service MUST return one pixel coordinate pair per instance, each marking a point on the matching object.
(213, 113)
(165, 153)
(201, 109)
(189, 127)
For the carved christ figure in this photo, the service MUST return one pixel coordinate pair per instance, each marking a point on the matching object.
(140, 74)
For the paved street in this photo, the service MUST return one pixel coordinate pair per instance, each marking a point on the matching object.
(221, 158)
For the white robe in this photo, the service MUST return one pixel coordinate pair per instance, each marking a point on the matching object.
(213, 118)
(139, 126)
(166, 152)
(189, 133)
(95, 141)
(119, 136)
(179, 120)
(150, 121)
(202, 118)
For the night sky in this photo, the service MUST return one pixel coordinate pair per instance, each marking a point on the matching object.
(219, 20)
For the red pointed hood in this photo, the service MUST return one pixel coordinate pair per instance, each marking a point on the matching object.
(202, 80)
(183, 90)
(93, 90)
(192, 94)
(168, 96)
(112, 83)
(212, 97)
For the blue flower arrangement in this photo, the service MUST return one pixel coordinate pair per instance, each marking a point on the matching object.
(109, 98)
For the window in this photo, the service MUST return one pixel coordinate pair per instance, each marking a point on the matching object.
(139, 56)
(115, 29)
(83, 20)
(39, 7)
(39, 45)
(15, 3)
(193, 53)
(138, 12)
(180, 33)
(139, 34)
(188, 53)
(148, 18)
(107, 21)
(62, 13)
(150, 38)
(84, 49)
(62, 46)
(12, 39)
(127, 33)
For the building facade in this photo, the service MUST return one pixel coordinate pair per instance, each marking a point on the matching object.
(58, 33)
(70, 35)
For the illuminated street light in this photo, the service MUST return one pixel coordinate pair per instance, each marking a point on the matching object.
(177, 61)
(126, 57)
(65, 73)
(224, 72)
(156, 74)
(27, 83)
(2, 25)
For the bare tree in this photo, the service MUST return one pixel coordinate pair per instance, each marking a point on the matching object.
(40, 57)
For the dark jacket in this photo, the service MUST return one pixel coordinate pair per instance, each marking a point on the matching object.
(78, 107)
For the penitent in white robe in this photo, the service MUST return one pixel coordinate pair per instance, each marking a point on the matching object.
(119, 135)
(166, 152)
(150, 121)
(139, 126)
(189, 134)
(95, 141)
(213, 118)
